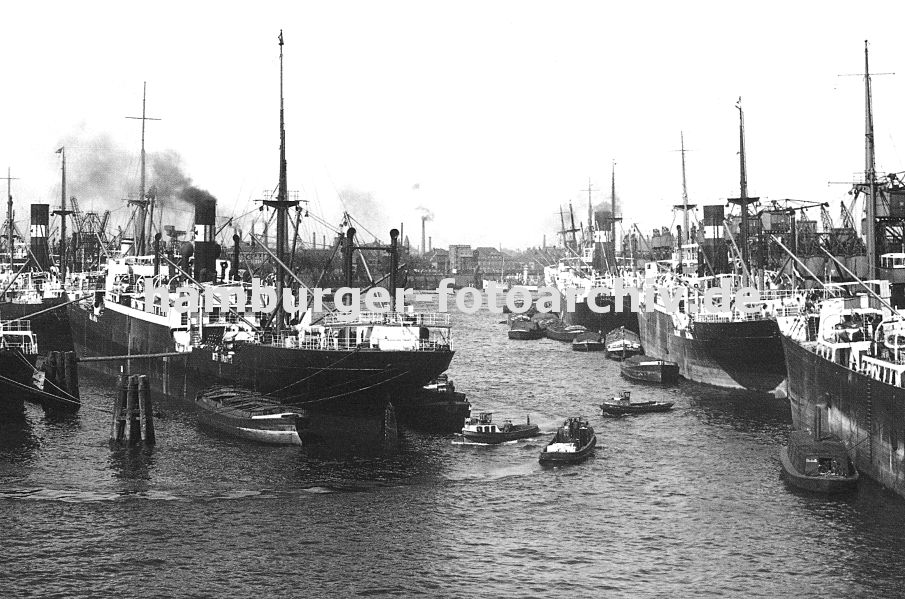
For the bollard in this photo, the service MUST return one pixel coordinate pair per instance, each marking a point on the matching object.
(147, 410)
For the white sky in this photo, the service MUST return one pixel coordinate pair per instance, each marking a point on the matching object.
(499, 110)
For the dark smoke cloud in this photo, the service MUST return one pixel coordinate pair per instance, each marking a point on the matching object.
(102, 174)
(196, 197)
(167, 176)
(98, 171)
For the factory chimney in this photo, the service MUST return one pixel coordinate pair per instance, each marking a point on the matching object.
(423, 231)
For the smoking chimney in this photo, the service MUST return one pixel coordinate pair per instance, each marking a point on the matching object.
(40, 218)
(205, 248)
(423, 246)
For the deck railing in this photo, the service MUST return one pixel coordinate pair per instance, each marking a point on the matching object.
(9, 326)
(340, 343)
(426, 319)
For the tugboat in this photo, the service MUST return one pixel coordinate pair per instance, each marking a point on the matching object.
(483, 430)
(619, 406)
(559, 331)
(525, 329)
(818, 463)
(248, 415)
(589, 341)
(650, 370)
(621, 343)
(574, 441)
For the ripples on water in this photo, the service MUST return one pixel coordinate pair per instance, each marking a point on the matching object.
(688, 502)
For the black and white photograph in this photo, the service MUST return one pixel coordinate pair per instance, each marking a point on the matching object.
(452, 299)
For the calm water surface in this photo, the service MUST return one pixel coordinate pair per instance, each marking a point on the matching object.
(678, 504)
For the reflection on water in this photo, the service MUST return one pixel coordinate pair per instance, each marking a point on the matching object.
(680, 503)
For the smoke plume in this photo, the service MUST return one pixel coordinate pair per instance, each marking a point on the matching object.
(426, 213)
(362, 206)
(167, 177)
(102, 174)
(196, 197)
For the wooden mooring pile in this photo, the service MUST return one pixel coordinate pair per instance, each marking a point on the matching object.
(133, 412)
(61, 382)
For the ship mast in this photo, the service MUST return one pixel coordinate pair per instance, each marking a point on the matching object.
(562, 221)
(63, 212)
(613, 219)
(684, 188)
(141, 214)
(743, 193)
(870, 171)
(9, 215)
(281, 204)
(573, 229)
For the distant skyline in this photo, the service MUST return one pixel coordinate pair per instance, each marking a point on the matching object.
(489, 115)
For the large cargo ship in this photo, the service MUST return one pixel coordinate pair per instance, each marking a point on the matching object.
(846, 357)
(34, 287)
(335, 366)
(846, 365)
(722, 348)
(589, 269)
(725, 347)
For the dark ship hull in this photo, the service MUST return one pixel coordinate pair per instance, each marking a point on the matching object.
(15, 381)
(602, 322)
(865, 413)
(357, 382)
(738, 355)
(50, 328)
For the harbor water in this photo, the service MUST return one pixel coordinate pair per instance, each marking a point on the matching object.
(683, 503)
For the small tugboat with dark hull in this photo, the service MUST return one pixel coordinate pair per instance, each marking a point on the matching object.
(573, 442)
(622, 405)
(242, 413)
(650, 370)
(820, 464)
(589, 341)
(483, 430)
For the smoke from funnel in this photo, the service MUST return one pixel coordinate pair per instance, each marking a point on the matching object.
(197, 197)
(102, 173)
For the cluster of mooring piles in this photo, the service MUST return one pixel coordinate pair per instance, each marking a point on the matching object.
(133, 412)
